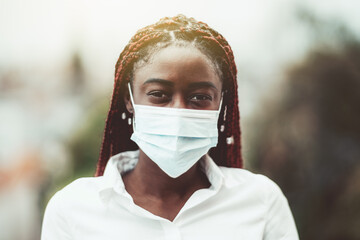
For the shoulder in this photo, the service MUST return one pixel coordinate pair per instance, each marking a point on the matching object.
(79, 191)
(258, 190)
(68, 205)
(254, 187)
(239, 176)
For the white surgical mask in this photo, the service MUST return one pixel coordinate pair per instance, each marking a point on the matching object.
(174, 138)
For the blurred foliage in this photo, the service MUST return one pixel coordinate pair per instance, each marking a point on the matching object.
(85, 144)
(308, 139)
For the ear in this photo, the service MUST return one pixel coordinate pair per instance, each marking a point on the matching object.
(127, 102)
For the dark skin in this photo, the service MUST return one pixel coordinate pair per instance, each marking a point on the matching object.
(178, 77)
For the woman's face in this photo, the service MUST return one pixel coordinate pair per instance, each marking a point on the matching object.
(178, 77)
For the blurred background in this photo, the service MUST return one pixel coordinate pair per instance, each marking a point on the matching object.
(299, 88)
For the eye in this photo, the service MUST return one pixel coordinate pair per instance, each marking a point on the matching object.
(159, 96)
(200, 97)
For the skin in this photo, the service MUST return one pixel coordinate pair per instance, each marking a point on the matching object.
(178, 77)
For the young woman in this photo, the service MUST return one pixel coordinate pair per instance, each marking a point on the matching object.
(170, 163)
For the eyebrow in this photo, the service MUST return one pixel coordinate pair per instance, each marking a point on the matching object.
(202, 85)
(160, 81)
(171, 84)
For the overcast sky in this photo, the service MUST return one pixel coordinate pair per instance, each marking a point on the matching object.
(43, 32)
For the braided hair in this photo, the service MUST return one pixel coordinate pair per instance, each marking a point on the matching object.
(178, 30)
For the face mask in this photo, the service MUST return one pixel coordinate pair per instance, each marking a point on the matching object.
(174, 138)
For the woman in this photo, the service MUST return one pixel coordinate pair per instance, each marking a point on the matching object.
(170, 163)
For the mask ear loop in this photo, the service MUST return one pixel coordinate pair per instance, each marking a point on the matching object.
(229, 140)
(222, 126)
(221, 101)
(131, 96)
(132, 102)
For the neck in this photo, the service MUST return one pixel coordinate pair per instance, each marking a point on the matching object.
(148, 179)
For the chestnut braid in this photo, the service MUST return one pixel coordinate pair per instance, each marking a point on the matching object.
(116, 129)
(151, 39)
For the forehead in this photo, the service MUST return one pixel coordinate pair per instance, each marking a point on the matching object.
(182, 65)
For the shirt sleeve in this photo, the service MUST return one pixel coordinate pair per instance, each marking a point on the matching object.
(280, 223)
(55, 225)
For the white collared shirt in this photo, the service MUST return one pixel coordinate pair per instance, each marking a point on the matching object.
(238, 205)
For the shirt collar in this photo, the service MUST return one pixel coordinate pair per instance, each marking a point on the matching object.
(125, 161)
